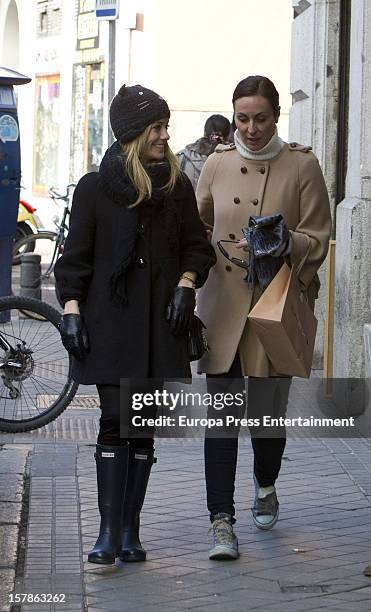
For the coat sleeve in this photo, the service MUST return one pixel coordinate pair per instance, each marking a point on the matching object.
(196, 253)
(204, 196)
(310, 239)
(74, 269)
(188, 167)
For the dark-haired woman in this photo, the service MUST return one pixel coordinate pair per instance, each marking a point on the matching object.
(135, 244)
(194, 155)
(259, 174)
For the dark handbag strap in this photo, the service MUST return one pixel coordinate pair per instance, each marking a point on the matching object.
(241, 263)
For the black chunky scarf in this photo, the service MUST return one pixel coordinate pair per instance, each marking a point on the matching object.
(121, 190)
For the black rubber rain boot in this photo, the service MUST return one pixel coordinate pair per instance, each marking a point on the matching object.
(112, 468)
(140, 464)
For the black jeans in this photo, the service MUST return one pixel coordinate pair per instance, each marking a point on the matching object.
(116, 405)
(266, 396)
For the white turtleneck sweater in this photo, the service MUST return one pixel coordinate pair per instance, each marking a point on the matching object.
(271, 149)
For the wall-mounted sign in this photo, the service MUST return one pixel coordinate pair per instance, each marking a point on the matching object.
(45, 57)
(87, 5)
(107, 9)
(87, 26)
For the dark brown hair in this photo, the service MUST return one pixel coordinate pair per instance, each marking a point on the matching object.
(258, 86)
(217, 124)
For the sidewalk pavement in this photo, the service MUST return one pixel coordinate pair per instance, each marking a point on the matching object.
(312, 560)
(12, 469)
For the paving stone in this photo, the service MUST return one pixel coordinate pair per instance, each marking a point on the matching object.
(13, 459)
(7, 588)
(324, 510)
(10, 512)
(53, 518)
(11, 488)
(8, 545)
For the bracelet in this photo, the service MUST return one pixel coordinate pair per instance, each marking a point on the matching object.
(188, 278)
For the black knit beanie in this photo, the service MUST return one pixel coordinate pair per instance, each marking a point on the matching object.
(133, 109)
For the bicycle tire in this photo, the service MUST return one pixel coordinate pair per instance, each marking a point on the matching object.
(23, 231)
(68, 388)
(28, 242)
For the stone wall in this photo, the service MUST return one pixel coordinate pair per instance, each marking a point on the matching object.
(313, 115)
(353, 261)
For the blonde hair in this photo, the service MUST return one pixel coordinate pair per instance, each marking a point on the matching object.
(133, 152)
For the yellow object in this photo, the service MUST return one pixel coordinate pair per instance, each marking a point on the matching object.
(329, 320)
(26, 217)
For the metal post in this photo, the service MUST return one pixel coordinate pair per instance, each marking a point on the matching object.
(6, 244)
(111, 70)
(30, 283)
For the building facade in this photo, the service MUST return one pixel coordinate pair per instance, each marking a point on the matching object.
(192, 53)
(331, 91)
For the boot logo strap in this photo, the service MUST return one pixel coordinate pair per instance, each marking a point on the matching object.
(137, 456)
(105, 454)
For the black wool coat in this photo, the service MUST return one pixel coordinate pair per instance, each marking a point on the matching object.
(132, 340)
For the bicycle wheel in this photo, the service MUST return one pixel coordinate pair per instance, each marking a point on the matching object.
(23, 231)
(43, 244)
(35, 380)
(26, 243)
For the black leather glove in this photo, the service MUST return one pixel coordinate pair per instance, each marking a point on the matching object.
(180, 311)
(74, 335)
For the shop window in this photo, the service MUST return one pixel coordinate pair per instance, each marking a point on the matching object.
(43, 18)
(46, 136)
(49, 18)
(55, 18)
(87, 126)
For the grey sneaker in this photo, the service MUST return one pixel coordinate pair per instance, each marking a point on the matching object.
(265, 510)
(225, 542)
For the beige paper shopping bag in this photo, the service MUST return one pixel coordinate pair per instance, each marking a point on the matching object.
(285, 325)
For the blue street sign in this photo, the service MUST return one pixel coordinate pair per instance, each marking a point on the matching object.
(107, 9)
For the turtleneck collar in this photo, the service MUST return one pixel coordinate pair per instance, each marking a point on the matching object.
(271, 149)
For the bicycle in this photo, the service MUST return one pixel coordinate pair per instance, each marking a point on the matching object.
(49, 245)
(27, 224)
(35, 380)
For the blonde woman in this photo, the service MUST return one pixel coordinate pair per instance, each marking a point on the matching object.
(136, 244)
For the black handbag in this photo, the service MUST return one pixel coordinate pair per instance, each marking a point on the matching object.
(266, 234)
(197, 342)
(265, 237)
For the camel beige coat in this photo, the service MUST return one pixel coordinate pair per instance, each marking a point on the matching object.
(229, 191)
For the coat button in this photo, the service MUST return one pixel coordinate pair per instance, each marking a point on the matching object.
(236, 200)
(232, 236)
(228, 268)
(141, 262)
(255, 201)
(262, 170)
(243, 169)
